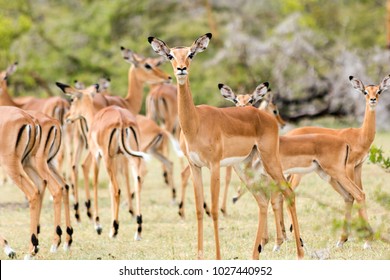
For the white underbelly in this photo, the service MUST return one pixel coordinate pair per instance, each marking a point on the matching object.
(196, 160)
(232, 161)
(302, 170)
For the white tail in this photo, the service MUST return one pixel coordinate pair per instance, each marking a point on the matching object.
(125, 148)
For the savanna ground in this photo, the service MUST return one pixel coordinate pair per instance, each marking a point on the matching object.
(167, 237)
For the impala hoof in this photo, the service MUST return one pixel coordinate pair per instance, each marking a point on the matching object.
(340, 244)
(9, 252)
(367, 246)
(66, 247)
(99, 229)
(28, 257)
(137, 237)
(276, 248)
(53, 248)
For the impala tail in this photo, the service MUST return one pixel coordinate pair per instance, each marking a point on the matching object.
(129, 135)
(55, 142)
(152, 108)
(175, 144)
(29, 135)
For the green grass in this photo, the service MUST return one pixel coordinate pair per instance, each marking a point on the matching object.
(167, 237)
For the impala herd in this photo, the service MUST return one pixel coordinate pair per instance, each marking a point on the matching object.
(104, 127)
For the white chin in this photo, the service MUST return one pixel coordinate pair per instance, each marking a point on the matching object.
(181, 80)
(372, 107)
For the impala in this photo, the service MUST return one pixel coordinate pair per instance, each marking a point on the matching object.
(39, 164)
(152, 138)
(304, 154)
(142, 70)
(161, 106)
(359, 139)
(241, 100)
(209, 139)
(112, 131)
(53, 106)
(18, 141)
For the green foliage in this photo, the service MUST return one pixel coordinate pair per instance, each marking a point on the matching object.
(376, 156)
(67, 40)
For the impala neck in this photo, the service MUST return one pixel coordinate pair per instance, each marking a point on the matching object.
(134, 92)
(188, 117)
(368, 127)
(5, 99)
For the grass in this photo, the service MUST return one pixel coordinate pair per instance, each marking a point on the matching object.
(167, 237)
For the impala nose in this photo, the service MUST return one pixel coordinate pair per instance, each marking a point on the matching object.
(182, 71)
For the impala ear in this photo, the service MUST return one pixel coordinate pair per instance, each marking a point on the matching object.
(79, 85)
(104, 83)
(260, 91)
(357, 84)
(385, 83)
(227, 93)
(68, 90)
(200, 44)
(11, 69)
(160, 47)
(129, 56)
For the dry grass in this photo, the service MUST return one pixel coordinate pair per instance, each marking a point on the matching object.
(167, 237)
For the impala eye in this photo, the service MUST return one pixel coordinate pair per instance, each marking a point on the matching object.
(276, 112)
(379, 92)
(191, 55)
(365, 92)
(147, 66)
(169, 56)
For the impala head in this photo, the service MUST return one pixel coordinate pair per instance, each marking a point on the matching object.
(5, 74)
(104, 84)
(243, 100)
(146, 69)
(180, 57)
(371, 92)
(82, 99)
(262, 92)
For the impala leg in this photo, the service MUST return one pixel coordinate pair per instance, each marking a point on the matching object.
(86, 166)
(168, 165)
(215, 188)
(74, 176)
(360, 198)
(277, 207)
(185, 175)
(55, 189)
(273, 168)
(7, 249)
(199, 200)
(96, 166)
(348, 200)
(23, 181)
(125, 172)
(294, 181)
(112, 170)
(31, 168)
(362, 213)
(353, 170)
(228, 178)
(136, 164)
(262, 202)
(65, 198)
(358, 175)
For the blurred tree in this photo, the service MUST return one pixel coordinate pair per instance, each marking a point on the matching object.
(306, 49)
